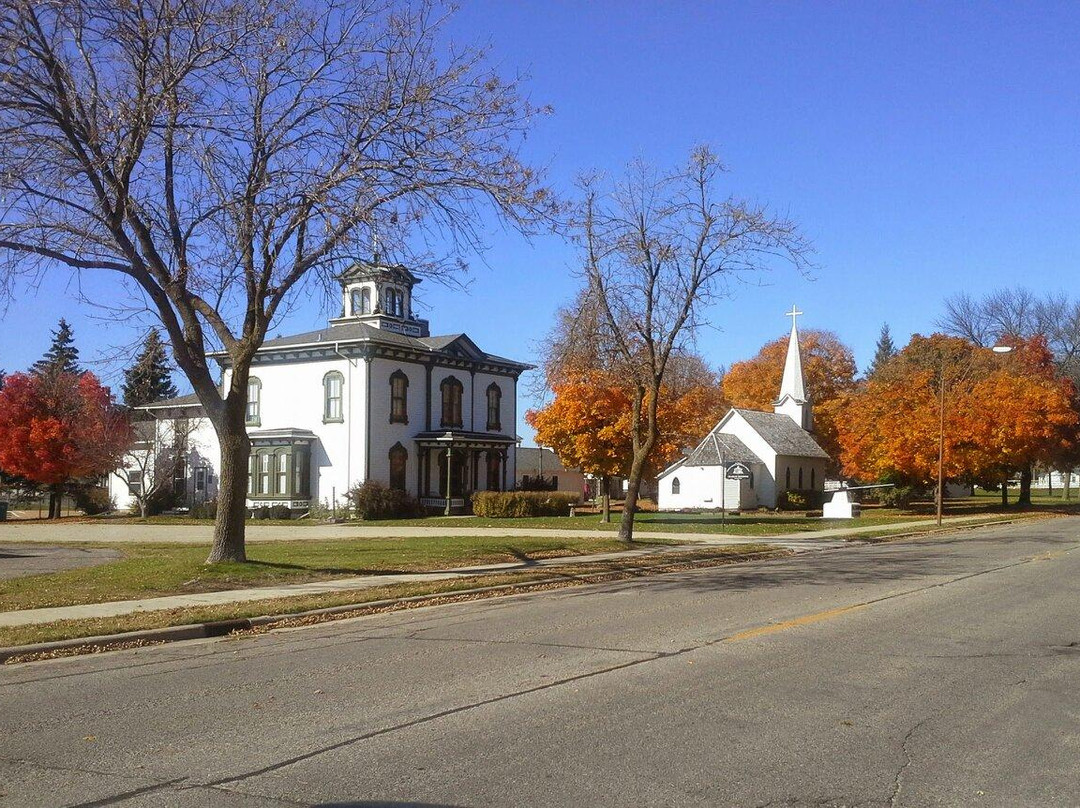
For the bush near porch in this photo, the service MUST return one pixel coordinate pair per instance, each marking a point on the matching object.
(516, 504)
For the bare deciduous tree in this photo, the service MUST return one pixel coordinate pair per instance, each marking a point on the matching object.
(658, 248)
(219, 154)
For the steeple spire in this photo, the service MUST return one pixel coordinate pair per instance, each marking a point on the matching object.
(793, 400)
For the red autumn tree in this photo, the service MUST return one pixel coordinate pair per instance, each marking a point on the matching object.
(56, 428)
(829, 368)
(1001, 414)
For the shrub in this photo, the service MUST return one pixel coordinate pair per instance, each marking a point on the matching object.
(280, 512)
(801, 500)
(516, 504)
(899, 496)
(262, 512)
(92, 499)
(373, 500)
(205, 510)
(164, 499)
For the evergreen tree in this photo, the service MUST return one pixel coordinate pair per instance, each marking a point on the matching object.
(62, 356)
(885, 351)
(149, 379)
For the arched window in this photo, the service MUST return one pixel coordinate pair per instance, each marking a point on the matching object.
(265, 462)
(399, 398)
(399, 461)
(675, 485)
(365, 301)
(494, 469)
(281, 472)
(451, 402)
(333, 392)
(301, 472)
(356, 302)
(253, 415)
(787, 478)
(494, 407)
(813, 478)
(800, 478)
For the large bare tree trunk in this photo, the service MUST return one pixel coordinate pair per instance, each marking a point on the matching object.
(232, 490)
(633, 487)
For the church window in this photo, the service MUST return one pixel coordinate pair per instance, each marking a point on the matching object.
(399, 398)
(365, 301)
(675, 485)
(399, 459)
(333, 392)
(787, 478)
(355, 303)
(800, 478)
(395, 302)
(451, 402)
(254, 402)
(494, 405)
(813, 478)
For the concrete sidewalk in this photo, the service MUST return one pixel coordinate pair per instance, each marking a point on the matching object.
(800, 542)
(115, 608)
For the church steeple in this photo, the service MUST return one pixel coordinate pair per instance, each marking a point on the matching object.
(793, 400)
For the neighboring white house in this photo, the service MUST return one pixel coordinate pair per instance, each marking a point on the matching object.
(777, 447)
(370, 397)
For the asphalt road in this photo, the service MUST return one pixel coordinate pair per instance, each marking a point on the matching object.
(937, 672)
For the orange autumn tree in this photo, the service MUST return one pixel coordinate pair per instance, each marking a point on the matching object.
(1001, 415)
(829, 369)
(587, 424)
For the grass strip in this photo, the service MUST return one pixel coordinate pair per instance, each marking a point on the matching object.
(570, 575)
(157, 570)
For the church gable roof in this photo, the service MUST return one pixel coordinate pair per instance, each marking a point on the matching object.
(732, 450)
(782, 434)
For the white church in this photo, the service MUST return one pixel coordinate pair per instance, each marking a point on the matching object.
(373, 396)
(777, 448)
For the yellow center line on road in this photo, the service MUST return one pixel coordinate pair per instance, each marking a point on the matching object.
(805, 620)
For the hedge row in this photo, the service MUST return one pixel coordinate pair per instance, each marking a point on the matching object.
(513, 504)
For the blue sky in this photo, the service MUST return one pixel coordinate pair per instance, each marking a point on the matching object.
(926, 150)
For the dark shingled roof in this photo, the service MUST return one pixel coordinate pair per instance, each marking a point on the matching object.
(783, 435)
(732, 449)
(190, 400)
(362, 332)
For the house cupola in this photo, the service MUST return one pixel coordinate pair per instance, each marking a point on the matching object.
(380, 295)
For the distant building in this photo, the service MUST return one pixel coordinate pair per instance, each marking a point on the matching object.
(370, 397)
(777, 448)
(540, 469)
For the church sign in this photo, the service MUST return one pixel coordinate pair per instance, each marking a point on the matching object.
(738, 471)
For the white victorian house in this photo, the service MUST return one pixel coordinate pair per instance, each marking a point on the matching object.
(777, 447)
(373, 396)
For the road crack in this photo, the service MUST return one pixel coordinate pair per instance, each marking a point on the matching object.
(898, 783)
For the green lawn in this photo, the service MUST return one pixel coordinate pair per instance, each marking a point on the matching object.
(153, 570)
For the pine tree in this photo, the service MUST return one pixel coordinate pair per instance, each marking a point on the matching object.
(149, 379)
(62, 356)
(885, 351)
